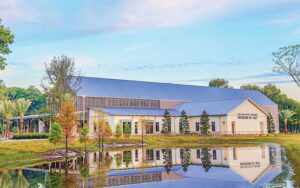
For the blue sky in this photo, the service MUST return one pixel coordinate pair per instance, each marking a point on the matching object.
(177, 41)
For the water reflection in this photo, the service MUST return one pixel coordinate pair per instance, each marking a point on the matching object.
(172, 167)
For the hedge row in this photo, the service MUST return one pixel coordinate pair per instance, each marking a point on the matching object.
(30, 136)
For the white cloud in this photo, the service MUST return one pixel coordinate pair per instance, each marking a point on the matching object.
(285, 19)
(16, 11)
(129, 14)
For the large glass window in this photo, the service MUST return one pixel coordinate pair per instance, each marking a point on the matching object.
(214, 154)
(213, 126)
(198, 153)
(149, 127)
(157, 126)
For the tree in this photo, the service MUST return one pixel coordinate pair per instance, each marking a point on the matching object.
(270, 123)
(84, 136)
(218, 82)
(184, 126)
(118, 130)
(167, 156)
(67, 118)
(61, 77)
(250, 87)
(286, 116)
(55, 134)
(6, 39)
(204, 122)
(287, 61)
(166, 125)
(7, 108)
(19, 180)
(127, 130)
(22, 106)
(185, 156)
(102, 128)
(206, 158)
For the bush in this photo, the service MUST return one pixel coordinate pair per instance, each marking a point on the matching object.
(31, 136)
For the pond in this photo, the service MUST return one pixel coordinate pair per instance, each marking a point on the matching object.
(251, 166)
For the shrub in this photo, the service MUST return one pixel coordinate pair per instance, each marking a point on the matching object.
(118, 130)
(31, 136)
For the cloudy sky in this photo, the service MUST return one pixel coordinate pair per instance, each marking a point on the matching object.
(177, 41)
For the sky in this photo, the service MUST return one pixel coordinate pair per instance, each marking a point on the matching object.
(174, 41)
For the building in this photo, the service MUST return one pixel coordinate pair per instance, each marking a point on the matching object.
(231, 111)
(254, 166)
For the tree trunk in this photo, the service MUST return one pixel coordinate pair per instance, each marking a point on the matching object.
(21, 123)
(285, 127)
(85, 146)
(66, 144)
(7, 126)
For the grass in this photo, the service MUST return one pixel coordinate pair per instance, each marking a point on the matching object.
(12, 154)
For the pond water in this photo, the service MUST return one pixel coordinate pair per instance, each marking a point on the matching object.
(251, 166)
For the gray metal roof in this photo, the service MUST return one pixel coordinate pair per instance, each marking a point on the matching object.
(102, 87)
(220, 107)
(35, 116)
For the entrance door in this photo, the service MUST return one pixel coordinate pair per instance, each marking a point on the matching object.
(233, 127)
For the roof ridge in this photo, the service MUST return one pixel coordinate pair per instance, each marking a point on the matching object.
(216, 100)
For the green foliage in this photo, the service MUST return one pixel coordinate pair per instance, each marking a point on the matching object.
(84, 135)
(286, 116)
(184, 127)
(60, 77)
(6, 38)
(270, 123)
(127, 158)
(166, 125)
(38, 100)
(275, 94)
(204, 122)
(218, 83)
(118, 158)
(118, 130)
(206, 158)
(31, 136)
(185, 157)
(167, 157)
(127, 130)
(55, 134)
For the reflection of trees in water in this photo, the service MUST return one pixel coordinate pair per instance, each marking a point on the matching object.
(84, 169)
(5, 179)
(206, 158)
(54, 180)
(15, 179)
(19, 180)
(127, 158)
(185, 156)
(118, 158)
(167, 156)
(104, 164)
(69, 180)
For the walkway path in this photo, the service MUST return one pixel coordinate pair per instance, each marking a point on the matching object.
(19, 140)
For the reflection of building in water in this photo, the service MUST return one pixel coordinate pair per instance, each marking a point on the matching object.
(232, 166)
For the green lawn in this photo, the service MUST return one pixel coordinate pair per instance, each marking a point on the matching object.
(18, 154)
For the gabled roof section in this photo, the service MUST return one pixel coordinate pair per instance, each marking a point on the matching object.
(219, 107)
(253, 103)
(102, 87)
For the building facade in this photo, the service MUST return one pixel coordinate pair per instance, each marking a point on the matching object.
(231, 111)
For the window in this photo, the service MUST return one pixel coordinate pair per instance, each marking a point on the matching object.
(197, 126)
(128, 123)
(198, 154)
(149, 127)
(157, 126)
(135, 127)
(136, 155)
(214, 154)
(149, 154)
(234, 154)
(213, 126)
(157, 155)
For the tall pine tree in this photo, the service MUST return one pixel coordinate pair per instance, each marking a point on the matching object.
(204, 122)
(184, 126)
(270, 123)
(166, 125)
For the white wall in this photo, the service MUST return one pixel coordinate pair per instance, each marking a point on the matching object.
(223, 123)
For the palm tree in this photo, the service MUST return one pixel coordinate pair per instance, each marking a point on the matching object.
(21, 106)
(19, 180)
(7, 108)
(286, 116)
